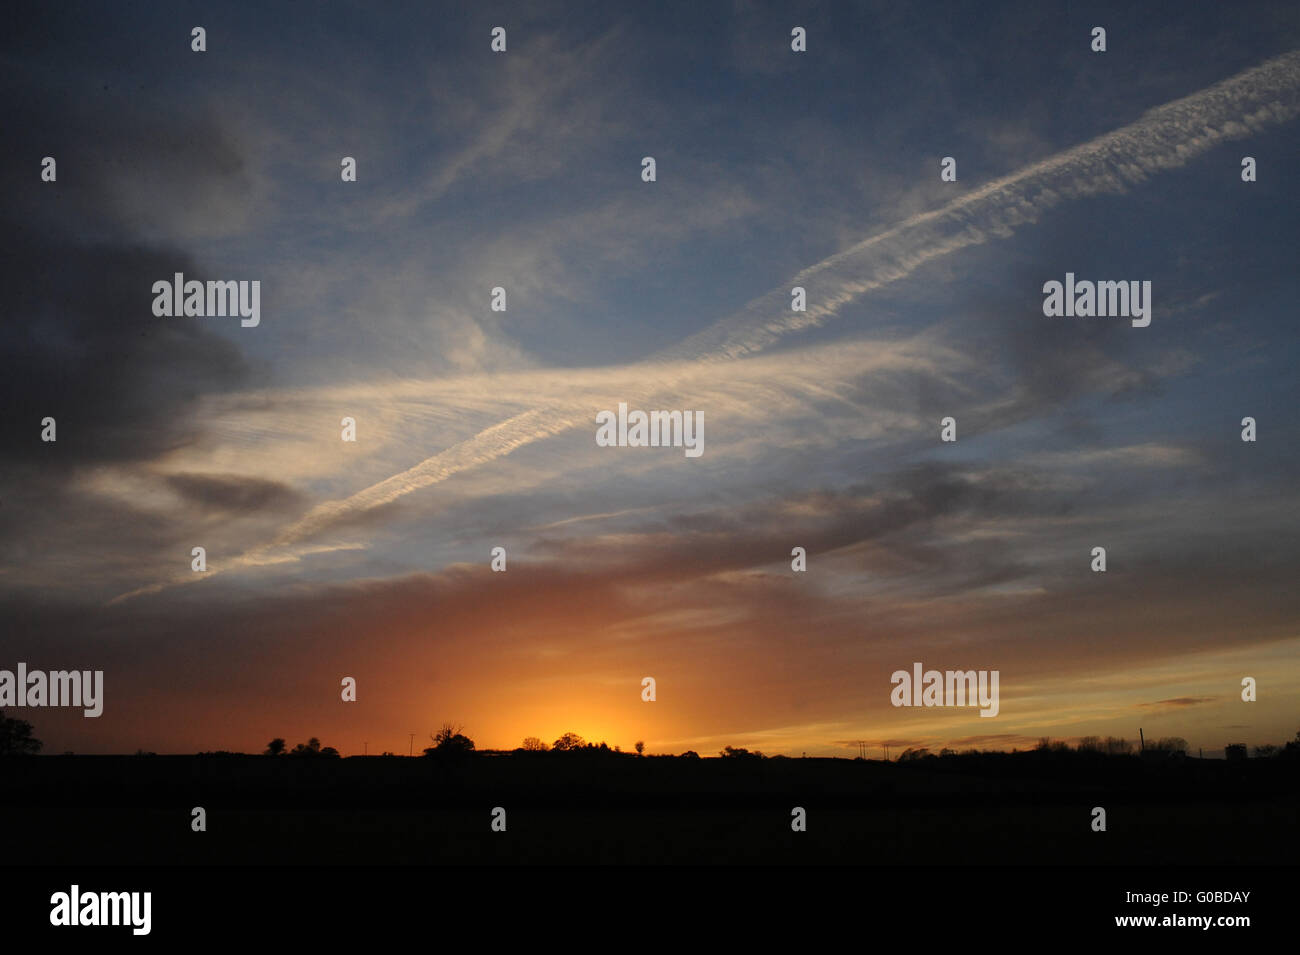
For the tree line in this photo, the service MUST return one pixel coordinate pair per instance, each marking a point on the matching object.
(17, 739)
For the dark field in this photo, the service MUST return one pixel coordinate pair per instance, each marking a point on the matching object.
(1028, 808)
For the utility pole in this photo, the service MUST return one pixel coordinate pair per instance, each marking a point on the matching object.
(1142, 739)
(411, 751)
(365, 749)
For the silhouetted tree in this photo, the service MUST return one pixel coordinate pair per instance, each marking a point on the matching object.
(309, 748)
(739, 752)
(532, 744)
(16, 737)
(640, 747)
(275, 747)
(568, 742)
(1168, 746)
(690, 754)
(1292, 749)
(450, 741)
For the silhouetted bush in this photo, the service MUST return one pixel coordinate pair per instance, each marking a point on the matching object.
(1292, 749)
(311, 748)
(1170, 747)
(16, 737)
(450, 741)
(910, 755)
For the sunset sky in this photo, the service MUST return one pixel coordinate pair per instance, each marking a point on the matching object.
(475, 429)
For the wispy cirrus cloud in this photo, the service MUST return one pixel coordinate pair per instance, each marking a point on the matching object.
(1164, 138)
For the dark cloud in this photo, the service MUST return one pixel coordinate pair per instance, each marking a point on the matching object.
(80, 340)
(1052, 361)
(1180, 701)
(224, 492)
(907, 508)
(83, 347)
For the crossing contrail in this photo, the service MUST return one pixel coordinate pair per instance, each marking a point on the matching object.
(1165, 137)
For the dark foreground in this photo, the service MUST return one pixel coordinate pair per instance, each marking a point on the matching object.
(1025, 809)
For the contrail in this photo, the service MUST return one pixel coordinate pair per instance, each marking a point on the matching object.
(494, 442)
(1163, 138)
(1166, 137)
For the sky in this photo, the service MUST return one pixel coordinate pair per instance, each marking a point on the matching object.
(475, 428)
